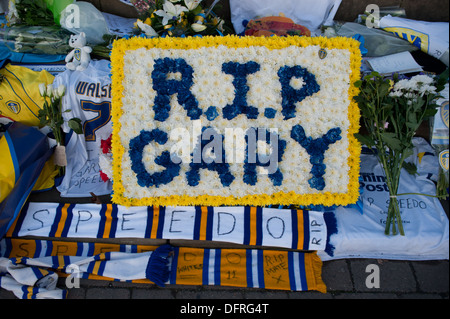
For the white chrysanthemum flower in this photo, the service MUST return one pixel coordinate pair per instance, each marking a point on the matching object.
(297, 83)
(421, 80)
(396, 93)
(427, 89)
(214, 88)
(404, 85)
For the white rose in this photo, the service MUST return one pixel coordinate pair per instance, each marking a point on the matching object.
(50, 90)
(42, 89)
(59, 92)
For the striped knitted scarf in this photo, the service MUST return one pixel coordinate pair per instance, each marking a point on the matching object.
(254, 226)
(27, 262)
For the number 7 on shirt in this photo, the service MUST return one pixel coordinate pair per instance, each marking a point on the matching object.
(103, 110)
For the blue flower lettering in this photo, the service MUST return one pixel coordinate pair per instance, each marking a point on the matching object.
(240, 106)
(209, 154)
(270, 161)
(316, 149)
(137, 145)
(289, 95)
(165, 88)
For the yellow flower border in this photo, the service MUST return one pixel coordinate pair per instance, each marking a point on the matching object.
(281, 198)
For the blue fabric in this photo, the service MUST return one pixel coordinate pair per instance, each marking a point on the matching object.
(32, 152)
(362, 47)
(7, 54)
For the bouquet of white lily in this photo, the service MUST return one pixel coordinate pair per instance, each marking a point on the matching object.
(178, 18)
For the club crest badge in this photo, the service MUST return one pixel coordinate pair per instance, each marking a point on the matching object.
(13, 106)
(443, 160)
(77, 54)
(444, 113)
(322, 54)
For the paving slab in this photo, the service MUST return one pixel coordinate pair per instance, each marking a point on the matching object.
(394, 276)
(188, 294)
(367, 295)
(76, 293)
(221, 294)
(256, 294)
(309, 295)
(142, 293)
(5, 294)
(432, 276)
(108, 293)
(336, 275)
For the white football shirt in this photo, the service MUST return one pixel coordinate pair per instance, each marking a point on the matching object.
(88, 97)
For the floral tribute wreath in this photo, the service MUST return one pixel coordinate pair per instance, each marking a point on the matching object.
(235, 121)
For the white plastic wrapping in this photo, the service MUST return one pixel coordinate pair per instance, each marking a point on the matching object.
(430, 37)
(84, 17)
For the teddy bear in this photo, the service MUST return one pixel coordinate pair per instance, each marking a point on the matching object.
(78, 59)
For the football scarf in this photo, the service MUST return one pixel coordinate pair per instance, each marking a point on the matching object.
(252, 268)
(29, 282)
(35, 278)
(254, 226)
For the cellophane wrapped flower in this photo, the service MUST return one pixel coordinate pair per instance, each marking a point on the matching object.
(143, 6)
(177, 18)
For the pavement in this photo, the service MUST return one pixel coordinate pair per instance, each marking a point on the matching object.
(344, 278)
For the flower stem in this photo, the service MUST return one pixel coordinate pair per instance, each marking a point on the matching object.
(392, 172)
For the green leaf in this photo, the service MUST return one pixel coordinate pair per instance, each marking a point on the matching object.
(75, 125)
(442, 80)
(417, 106)
(412, 126)
(367, 90)
(366, 113)
(411, 168)
(412, 120)
(358, 84)
(197, 10)
(429, 112)
(373, 75)
(45, 108)
(386, 109)
(391, 140)
(42, 122)
(408, 150)
(384, 89)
